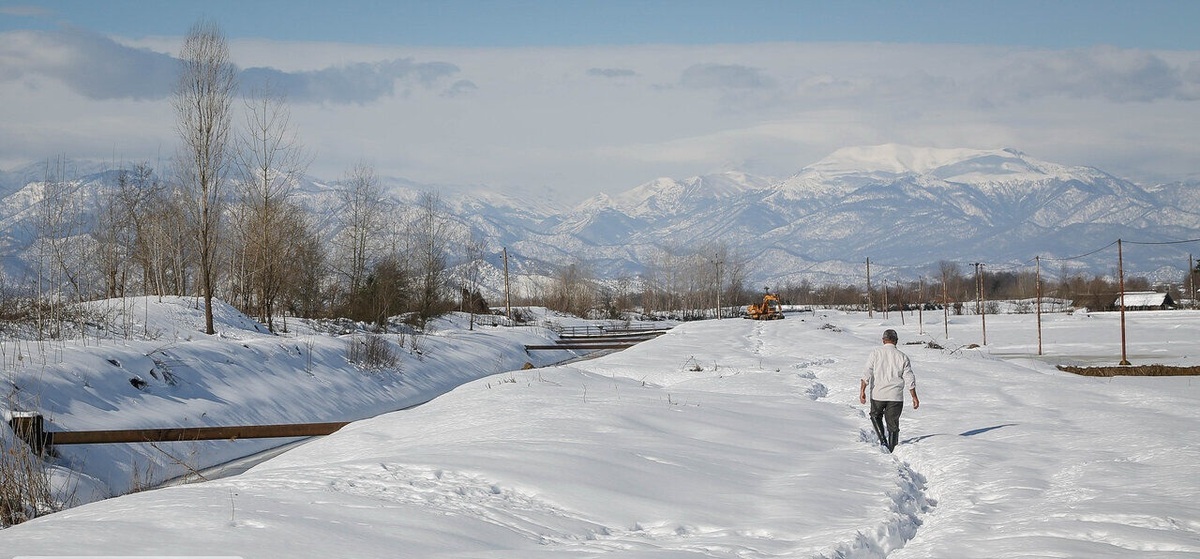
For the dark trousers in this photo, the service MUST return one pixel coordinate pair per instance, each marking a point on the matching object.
(884, 412)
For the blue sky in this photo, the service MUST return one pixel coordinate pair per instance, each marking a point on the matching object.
(464, 23)
(578, 98)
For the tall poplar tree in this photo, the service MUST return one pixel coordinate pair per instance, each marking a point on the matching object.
(202, 101)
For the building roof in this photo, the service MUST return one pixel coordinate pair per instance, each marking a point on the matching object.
(1144, 299)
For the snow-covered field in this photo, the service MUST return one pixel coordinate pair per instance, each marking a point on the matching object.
(726, 438)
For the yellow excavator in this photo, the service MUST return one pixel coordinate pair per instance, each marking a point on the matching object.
(769, 309)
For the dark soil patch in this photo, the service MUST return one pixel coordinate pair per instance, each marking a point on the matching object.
(1133, 371)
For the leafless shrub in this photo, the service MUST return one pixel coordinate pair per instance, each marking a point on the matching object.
(142, 477)
(371, 352)
(26, 488)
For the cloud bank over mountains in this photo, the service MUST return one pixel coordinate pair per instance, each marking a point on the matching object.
(581, 120)
(100, 68)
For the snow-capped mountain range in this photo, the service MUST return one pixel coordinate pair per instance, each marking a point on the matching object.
(905, 208)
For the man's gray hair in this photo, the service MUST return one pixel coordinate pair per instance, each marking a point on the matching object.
(890, 335)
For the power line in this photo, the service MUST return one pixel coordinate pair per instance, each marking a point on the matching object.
(1109, 245)
(1163, 242)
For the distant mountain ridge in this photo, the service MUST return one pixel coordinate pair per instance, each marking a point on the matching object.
(906, 208)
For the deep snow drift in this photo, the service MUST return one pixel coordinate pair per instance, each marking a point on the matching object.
(726, 438)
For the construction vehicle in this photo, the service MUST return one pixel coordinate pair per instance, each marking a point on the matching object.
(769, 309)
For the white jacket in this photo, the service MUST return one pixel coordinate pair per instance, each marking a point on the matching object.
(889, 374)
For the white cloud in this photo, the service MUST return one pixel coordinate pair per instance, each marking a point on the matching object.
(93, 65)
(99, 67)
(611, 72)
(25, 11)
(360, 82)
(735, 76)
(1104, 72)
(608, 118)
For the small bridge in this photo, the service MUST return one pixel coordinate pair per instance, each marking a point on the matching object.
(601, 337)
(30, 427)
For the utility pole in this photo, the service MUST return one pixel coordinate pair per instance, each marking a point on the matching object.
(1191, 281)
(1038, 289)
(718, 263)
(977, 296)
(945, 306)
(981, 308)
(870, 306)
(921, 308)
(507, 294)
(983, 300)
(718, 290)
(885, 301)
(1121, 274)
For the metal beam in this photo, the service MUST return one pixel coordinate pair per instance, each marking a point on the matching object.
(193, 433)
(582, 346)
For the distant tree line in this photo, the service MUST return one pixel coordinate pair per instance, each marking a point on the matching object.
(690, 283)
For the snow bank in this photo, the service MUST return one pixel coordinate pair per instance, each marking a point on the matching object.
(727, 438)
(152, 366)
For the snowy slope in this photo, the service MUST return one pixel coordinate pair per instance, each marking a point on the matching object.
(242, 376)
(727, 439)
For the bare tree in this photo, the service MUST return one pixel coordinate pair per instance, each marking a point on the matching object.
(360, 218)
(385, 292)
(304, 295)
(661, 280)
(202, 104)
(623, 294)
(727, 269)
(272, 162)
(573, 289)
(59, 223)
(114, 238)
(475, 251)
(166, 250)
(122, 228)
(429, 237)
(953, 284)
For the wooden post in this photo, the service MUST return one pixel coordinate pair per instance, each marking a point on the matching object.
(1191, 281)
(1121, 275)
(1038, 286)
(507, 296)
(983, 303)
(870, 306)
(921, 308)
(31, 428)
(945, 306)
(885, 301)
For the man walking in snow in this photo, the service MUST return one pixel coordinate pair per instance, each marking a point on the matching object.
(888, 374)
